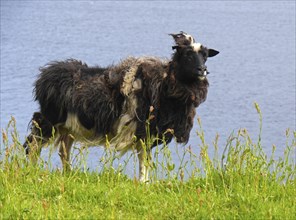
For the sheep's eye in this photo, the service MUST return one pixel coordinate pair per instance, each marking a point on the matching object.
(203, 53)
(189, 53)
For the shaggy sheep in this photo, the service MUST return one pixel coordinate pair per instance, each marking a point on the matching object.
(93, 104)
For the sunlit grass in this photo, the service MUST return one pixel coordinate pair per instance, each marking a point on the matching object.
(241, 183)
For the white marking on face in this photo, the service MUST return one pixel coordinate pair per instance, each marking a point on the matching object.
(196, 46)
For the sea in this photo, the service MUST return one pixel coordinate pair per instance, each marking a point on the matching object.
(256, 64)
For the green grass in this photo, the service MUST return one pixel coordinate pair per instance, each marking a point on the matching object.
(243, 183)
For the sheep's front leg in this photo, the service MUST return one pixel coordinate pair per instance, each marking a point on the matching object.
(66, 142)
(145, 157)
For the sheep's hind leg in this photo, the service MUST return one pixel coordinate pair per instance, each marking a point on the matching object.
(66, 142)
(41, 132)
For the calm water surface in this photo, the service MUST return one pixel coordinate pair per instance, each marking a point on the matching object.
(256, 40)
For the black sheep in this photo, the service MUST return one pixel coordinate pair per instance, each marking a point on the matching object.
(93, 104)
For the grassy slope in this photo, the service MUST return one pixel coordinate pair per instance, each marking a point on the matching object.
(36, 193)
(248, 185)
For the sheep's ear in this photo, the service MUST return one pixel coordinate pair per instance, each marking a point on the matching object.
(177, 48)
(212, 52)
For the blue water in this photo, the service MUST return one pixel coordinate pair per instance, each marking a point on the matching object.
(256, 40)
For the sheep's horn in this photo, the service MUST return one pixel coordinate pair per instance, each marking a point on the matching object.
(178, 35)
(183, 38)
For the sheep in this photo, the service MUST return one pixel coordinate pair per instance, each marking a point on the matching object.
(114, 103)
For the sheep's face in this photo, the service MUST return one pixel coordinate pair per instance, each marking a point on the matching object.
(191, 61)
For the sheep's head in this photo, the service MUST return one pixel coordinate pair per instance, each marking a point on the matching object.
(191, 63)
(190, 58)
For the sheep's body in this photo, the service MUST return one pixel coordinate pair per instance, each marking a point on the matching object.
(90, 104)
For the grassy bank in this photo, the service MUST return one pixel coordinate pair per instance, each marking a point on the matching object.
(242, 183)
